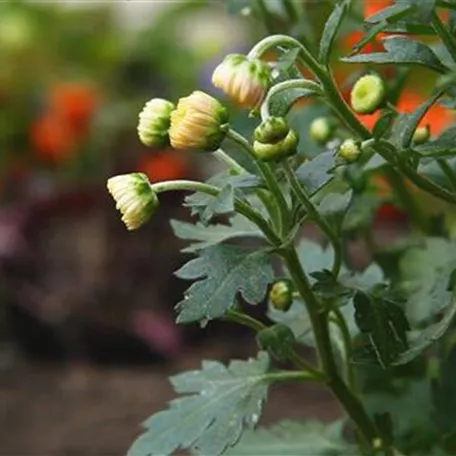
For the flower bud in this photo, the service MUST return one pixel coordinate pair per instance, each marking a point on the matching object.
(134, 197)
(279, 150)
(243, 79)
(349, 150)
(421, 135)
(154, 122)
(272, 130)
(368, 94)
(321, 130)
(281, 294)
(199, 122)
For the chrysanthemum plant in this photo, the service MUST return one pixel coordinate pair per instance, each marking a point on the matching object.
(383, 335)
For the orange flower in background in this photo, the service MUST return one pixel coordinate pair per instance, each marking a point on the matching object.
(53, 138)
(74, 102)
(165, 165)
(372, 7)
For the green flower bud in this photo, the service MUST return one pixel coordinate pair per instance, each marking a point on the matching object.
(279, 150)
(154, 121)
(421, 135)
(134, 197)
(281, 294)
(272, 130)
(322, 130)
(368, 94)
(349, 150)
(199, 122)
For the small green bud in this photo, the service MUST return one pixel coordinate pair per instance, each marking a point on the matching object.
(281, 294)
(272, 130)
(421, 135)
(321, 130)
(154, 122)
(279, 150)
(368, 94)
(349, 150)
(134, 197)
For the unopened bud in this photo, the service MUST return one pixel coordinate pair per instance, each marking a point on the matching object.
(154, 121)
(368, 94)
(279, 150)
(245, 80)
(281, 294)
(349, 150)
(198, 122)
(272, 130)
(321, 130)
(421, 135)
(134, 197)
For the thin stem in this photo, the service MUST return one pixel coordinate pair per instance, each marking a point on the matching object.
(315, 215)
(408, 201)
(284, 376)
(240, 206)
(306, 84)
(221, 155)
(290, 8)
(319, 321)
(283, 223)
(445, 35)
(448, 171)
(266, 16)
(246, 320)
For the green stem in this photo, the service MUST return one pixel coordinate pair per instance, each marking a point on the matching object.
(407, 199)
(266, 16)
(240, 206)
(291, 10)
(246, 320)
(232, 164)
(448, 171)
(319, 321)
(445, 35)
(283, 223)
(284, 376)
(315, 216)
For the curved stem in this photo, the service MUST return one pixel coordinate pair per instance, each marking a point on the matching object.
(283, 223)
(448, 171)
(315, 215)
(266, 16)
(287, 85)
(240, 206)
(319, 321)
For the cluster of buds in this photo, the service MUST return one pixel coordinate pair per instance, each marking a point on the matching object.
(275, 140)
(245, 80)
(135, 198)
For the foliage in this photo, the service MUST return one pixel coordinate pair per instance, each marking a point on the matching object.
(381, 323)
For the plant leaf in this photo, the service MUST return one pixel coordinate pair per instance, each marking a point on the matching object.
(331, 30)
(223, 270)
(220, 401)
(289, 438)
(383, 124)
(209, 235)
(401, 50)
(316, 173)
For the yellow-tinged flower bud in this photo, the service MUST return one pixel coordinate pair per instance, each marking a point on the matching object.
(368, 94)
(243, 79)
(349, 150)
(281, 294)
(134, 197)
(154, 121)
(279, 150)
(321, 130)
(199, 122)
(421, 135)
